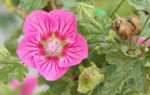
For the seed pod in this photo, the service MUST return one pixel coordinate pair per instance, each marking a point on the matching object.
(123, 28)
(136, 22)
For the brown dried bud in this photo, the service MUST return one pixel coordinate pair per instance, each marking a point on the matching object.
(125, 29)
(136, 22)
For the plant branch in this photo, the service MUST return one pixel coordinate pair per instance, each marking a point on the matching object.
(145, 40)
(102, 30)
(114, 11)
(92, 2)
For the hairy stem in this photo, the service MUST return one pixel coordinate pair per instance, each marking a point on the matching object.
(92, 2)
(130, 45)
(114, 11)
(146, 39)
(102, 30)
(143, 27)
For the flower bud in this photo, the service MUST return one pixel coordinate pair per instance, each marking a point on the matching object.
(146, 50)
(89, 79)
(86, 11)
(110, 36)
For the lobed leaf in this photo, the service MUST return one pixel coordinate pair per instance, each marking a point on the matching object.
(31, 5)
(127, 67)
(10, 68)
(140, 4)
(89, 79)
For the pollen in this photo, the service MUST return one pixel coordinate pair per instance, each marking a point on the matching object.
(53, 47)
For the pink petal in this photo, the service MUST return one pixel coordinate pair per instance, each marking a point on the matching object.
(14, 84)
(66, 24)
(40, 22)
(28, 48)
(75, 52)
(28, 84)
(140, 40)
(148, 43)
(49, 69)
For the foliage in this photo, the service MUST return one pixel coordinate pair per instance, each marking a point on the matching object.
(89, 79)
(10, 68)
(108, 70)
(31, 5)
(127, 67)
(140, 4)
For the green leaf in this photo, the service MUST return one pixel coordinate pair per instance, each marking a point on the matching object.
(31, 5)
(89, 79)
(86, 11)
(74, 91)
(116, 60)
(92, 26)
(47, 93)
(56, 87)
(91, 32)
(15, 2)
(4, 53)
(140, 4)
(99, 60)
(127, 67)
(110, 36)
(12, 68)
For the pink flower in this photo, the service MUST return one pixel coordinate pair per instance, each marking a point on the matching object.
(28, 84)
(51, 43)
(140, 40)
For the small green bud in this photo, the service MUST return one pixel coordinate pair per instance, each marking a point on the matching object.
(146, 50)
(110, 36)
(148, 76)
(89, 79)
(142, 47)
(4, 53)
(98, 49)
(86, 11)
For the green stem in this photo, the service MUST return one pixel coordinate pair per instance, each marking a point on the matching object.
(67, 80)
(114, 11)
(146, 39)
(102, 30)
(143, 27)
(92, 2)
(114, 44)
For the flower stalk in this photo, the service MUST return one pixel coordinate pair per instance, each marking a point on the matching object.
(114, 11)
(146, 39)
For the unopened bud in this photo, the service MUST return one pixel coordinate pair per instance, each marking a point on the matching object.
(89, 79)
(86, 11)
(146, 50)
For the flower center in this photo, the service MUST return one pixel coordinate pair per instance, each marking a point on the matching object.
(53, 47)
